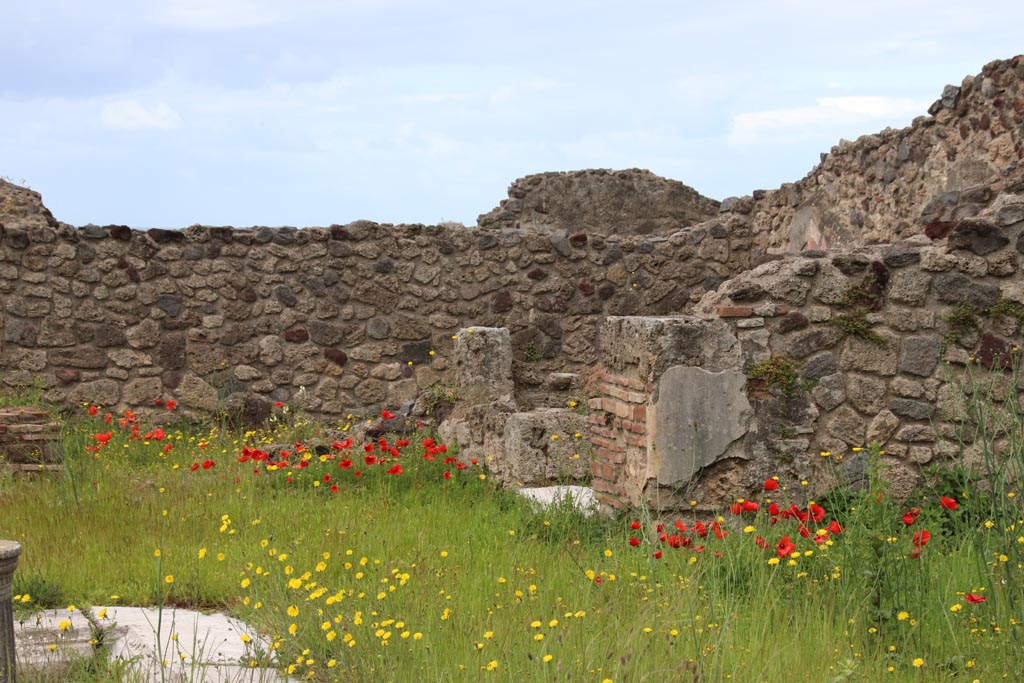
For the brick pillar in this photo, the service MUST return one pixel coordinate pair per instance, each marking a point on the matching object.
(636, 353)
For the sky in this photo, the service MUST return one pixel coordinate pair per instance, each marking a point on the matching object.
(313, 112)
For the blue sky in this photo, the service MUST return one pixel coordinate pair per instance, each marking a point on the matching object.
(312, 112)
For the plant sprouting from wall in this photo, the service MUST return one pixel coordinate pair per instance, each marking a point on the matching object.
(780, 372)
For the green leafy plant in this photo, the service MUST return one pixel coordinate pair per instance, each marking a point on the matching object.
(961, 321)
(781, 372)
(856, 324)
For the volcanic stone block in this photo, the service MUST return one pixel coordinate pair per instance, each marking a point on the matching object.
(920, 355)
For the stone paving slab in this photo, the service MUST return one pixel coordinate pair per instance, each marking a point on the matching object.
(191, 646)
(544, 497)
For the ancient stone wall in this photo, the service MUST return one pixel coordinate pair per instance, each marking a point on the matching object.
(629, 202)
(836, 350)
(948, 165)
(334, 320)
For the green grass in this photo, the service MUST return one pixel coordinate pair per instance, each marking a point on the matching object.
(416, 577)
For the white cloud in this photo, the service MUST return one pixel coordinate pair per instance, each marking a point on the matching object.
(217, 14)
(827, 114)
(131, 115)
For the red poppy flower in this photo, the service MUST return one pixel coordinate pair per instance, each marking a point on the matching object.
(948, 503)
(447, 474)
(93, 411)
(194, 467)
(634, 542)
(804, 531)
(370, 459)
(750, 506)
(921, 538)
(207, 464)
(368, 447)
(736, 508)
(908, 519)
(168, 447)
(784, 547)
(334, 488)
(657, 554)
(103, 437)
(771, 485)
(634, 525)
(773, 509)
(680, 526)
(702, 530)
(835, 528)
(171, 404)
(760, 542)
(817, 512)
(327, 478)
(279, 404)
(395, 469)
(387, 415)
(975, 599)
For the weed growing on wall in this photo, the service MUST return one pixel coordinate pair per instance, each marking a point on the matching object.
(778, 372)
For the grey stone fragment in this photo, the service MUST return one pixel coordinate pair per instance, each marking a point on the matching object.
(909, 286)
(84, 357)
(920, 355)
(142, 391)
(195, 392)
(866, 393)
(829, 391)
(378, 328)
(846, 425)
(1008, 209)
(806, 342)
(916, 432)
(270, 350)
(698, 416)
(900, 257)
(882, 427)
(911, 409)
(169, 304)
(106, 392)
(955, 288)
(978, 236)
(530, 457)
(819, 366)
(865, 356)
(483, 365)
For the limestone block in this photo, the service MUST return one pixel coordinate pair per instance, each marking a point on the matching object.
(865, 392)
(919, 355)
(866, 356)
(846, 425)
(829, 391)
(195, 392)
(698, 418)
(142, 391)
(105, 392)
(532, 456)
(483, 365)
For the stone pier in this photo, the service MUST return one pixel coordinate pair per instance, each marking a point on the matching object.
(9, 551)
